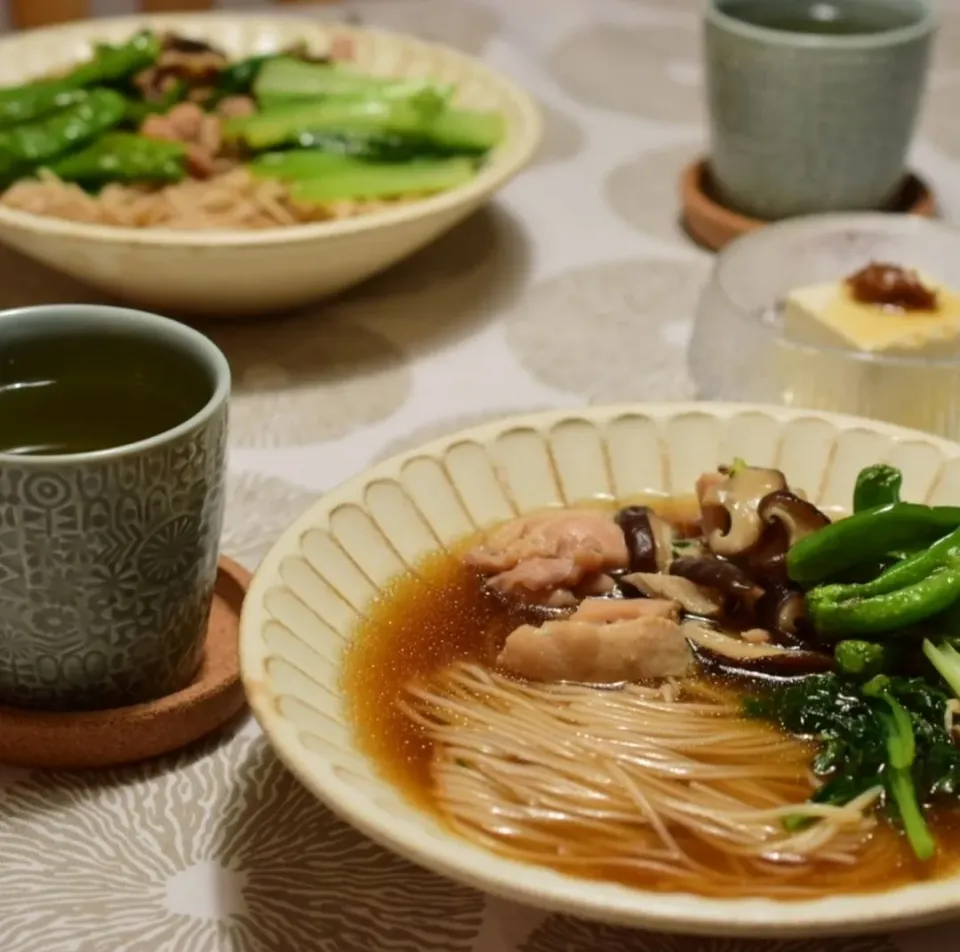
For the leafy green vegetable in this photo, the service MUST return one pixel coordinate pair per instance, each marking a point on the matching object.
(376, 147)
(889, 733)
(901, 754)
(285, 78)
(285, 125)
(467, 130)
(946, 659)
(319, 177)
(422, 117)
(877, 485)
(238, 78)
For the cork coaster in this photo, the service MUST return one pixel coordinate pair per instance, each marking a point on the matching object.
(712, 225)
(129, 734)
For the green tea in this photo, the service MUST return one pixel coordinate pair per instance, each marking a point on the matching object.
(831, 17)
(77, 392)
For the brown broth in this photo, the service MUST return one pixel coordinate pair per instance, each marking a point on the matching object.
(426, 621)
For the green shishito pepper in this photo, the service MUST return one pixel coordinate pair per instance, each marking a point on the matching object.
(868, 536)
(914, 590)
(877, 486)
(839, 611)
(123, 157)
(860, 660)
(109, 64)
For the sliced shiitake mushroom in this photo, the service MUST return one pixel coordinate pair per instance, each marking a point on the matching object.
(798, 517)
(738, 495)
(782, 612)
(719, 575)
(649, 538)
(186, 44)
(787, 518)
(734, 653)
(692, 598)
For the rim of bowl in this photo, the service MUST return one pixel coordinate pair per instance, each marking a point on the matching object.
(925, 23)
(442, 852)
(127, 318)
(511, 157)
(866, 222)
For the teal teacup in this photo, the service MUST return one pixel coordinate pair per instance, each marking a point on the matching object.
(813, 104)
(112, 452)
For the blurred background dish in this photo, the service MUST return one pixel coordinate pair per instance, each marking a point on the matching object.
(232, 272)
(744, 346)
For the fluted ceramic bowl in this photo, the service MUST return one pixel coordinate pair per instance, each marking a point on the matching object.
(317, 580)
(242, 273)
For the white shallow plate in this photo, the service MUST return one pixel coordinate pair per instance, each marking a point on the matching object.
(234, 273)
(312, 587)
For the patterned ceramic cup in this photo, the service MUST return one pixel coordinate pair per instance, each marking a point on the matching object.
(108, 558)
(804, 121)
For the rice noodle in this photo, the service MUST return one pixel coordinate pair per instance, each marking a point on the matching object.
(666, 779)
(232, 199)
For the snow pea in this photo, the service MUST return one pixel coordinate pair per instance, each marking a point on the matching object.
(39, 142)
(123, 157)
(109, 64)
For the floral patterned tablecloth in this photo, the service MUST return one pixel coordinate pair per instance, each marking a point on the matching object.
(577, 286)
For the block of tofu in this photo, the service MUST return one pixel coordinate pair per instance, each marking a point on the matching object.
(828, 315)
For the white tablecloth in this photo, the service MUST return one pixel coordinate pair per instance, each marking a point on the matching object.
(576, 286)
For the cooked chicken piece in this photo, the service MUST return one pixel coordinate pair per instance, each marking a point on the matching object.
(599, 584)
(181, 59)
(550, 550)
(198, 130)
(604, 642)
(605, 610)
(237, 107)
(342, 48)
(696, 599)
(592, 653)
(596, 584)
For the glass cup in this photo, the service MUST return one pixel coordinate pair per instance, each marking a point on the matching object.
(742, 351)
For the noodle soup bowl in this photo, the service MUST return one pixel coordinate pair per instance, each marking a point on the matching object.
(326, 571)
(234, 273)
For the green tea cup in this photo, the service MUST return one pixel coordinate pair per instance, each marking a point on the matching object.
(113, 428)
(813, 104)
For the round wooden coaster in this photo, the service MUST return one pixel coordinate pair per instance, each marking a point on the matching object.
(128, 734)
(713, 225)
